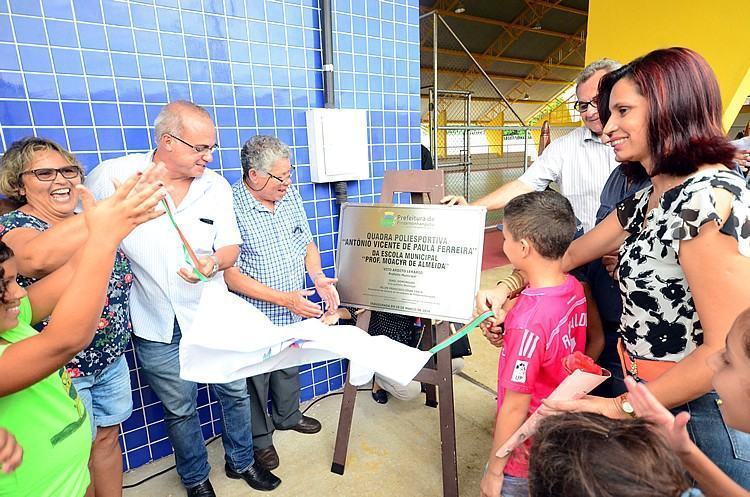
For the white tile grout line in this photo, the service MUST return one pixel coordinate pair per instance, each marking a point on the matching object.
(88, 89)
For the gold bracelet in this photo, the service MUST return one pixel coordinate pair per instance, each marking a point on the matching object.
(514, 282)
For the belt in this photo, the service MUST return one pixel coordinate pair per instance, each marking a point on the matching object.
(641, 369)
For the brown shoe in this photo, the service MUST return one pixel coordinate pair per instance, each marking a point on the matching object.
(268, 458)
(306, 425)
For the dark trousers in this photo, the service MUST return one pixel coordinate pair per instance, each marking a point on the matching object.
(610, 360)
(283, 387)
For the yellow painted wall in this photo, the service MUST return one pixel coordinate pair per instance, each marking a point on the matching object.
(624, 30)
(442, 135)
(560, 116)
(495, 136)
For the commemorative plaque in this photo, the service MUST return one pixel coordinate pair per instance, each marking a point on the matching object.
(418, 259)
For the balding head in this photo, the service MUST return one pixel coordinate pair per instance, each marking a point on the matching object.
(170, 118)
(185, 138)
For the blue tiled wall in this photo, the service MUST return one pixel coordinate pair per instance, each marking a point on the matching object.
(92, 74)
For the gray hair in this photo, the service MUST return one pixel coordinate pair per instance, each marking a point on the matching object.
(605, 64)
(260, 152)
(169, 120)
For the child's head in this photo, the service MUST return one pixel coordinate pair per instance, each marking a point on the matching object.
(732, 374)
(540, 222)
(10, 292)
(590, 455)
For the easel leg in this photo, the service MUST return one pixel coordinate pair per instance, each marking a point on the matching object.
(430, 395)
(428, 340)
(344, 428)
(447, 416)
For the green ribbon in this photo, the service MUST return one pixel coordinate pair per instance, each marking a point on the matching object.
(462, 332)
(188, 259)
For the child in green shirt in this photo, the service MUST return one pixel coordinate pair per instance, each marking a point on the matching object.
(38, 402)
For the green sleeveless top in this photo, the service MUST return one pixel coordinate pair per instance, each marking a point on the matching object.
(49, 421)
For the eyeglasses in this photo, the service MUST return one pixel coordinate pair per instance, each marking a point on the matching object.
(582, 106)
(50, 173)
(199, 149)
(283, 180)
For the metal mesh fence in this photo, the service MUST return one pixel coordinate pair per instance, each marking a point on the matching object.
(486, 167)
(480, 142)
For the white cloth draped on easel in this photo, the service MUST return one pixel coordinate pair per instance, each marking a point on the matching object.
(230, 339)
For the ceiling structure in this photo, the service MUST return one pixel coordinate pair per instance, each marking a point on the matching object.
(531, 49)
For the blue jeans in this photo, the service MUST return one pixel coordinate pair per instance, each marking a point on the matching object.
(161, 364)
(725, 446)
(106, 395)
(514, 486)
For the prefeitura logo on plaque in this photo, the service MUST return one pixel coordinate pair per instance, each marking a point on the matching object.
(389, 219)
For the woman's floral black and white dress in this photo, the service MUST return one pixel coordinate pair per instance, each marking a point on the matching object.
(659, 319)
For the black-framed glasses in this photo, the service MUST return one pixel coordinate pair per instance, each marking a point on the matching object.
(282, 180)
(50, 173)
(582, 106)
(199, 149)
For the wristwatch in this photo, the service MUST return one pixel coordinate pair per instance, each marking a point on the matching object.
(215, 269)
(626, 406)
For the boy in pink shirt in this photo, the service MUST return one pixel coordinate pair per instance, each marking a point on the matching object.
(546, 324)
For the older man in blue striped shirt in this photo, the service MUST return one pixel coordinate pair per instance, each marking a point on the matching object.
(277, 248)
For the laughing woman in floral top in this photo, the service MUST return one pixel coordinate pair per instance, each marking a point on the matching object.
(44, 232)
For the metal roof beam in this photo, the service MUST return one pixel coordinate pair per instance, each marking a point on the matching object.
(528, 19)
(499, 58)
(495, 22)
(562, 52)
(487, 99)
(563, 8)
(496, 75)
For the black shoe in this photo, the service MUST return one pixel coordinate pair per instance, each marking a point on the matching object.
(381, 396)
(255, 476)
(268, 457)
(203, 490)
(306, 425)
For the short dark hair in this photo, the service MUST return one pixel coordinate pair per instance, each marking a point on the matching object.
(590, 455)
(543, 218)
(743, 324)
(685, 122)
(5, 254)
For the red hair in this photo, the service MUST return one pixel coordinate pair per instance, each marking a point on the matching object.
(684, 122)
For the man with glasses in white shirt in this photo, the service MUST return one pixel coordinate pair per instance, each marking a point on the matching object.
(166, 293)
(578, 162)
(277, 249)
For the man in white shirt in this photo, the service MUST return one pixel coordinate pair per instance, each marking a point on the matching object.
(578, 162)
(742, 158)
(165, 293)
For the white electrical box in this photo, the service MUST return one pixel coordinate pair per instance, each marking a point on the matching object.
(337, 139)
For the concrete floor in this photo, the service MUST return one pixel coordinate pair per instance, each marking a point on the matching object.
(394, 449)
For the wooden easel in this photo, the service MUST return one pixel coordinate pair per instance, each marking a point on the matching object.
(437, 373)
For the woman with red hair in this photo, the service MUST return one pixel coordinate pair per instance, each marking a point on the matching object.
(684, 243)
